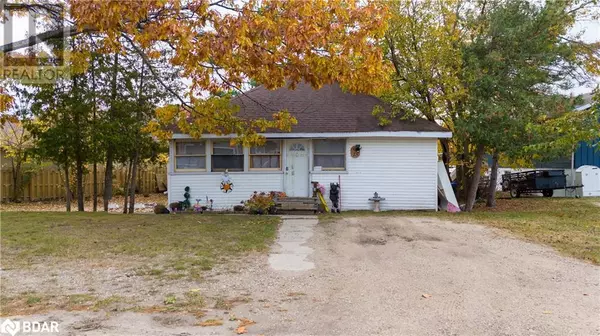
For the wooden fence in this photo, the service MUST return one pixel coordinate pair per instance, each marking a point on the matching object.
(48, 183)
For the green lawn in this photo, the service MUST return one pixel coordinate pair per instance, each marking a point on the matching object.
(188, 242)
(571, 226)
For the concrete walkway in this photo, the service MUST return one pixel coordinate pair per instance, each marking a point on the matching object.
(290, 252)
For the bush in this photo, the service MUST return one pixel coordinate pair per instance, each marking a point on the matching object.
(261, 203)
(160, 209)
(176, 206)
(277, 194)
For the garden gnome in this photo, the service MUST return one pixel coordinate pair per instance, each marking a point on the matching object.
(334, 196)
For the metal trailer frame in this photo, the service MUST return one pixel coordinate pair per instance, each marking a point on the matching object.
(535, 181)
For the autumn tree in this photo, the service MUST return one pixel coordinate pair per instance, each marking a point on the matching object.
(513, 68)
(423, 43)
(223, 44)
(16, 144)
(486, 70)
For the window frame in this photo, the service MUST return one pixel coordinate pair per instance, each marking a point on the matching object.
(314, 153)
(220, 170)
(250, 155)
(175, 156)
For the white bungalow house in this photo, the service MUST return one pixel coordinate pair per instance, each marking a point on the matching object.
(398, 161)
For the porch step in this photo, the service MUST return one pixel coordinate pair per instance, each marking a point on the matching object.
(297, 204)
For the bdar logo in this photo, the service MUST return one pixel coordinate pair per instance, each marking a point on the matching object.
(10, 327)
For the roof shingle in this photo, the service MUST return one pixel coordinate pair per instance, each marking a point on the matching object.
(326, 110)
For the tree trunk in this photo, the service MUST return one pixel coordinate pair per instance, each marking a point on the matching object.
(17, 181)
(136, 157)
(132, 182)
(94, 143)
(95, 187)
(108, 178)
(109, 150)
(461, 173)
(474, 183)
(79, 177)
(445, 143)
(126, 187)
(67, 189)
(491, 195)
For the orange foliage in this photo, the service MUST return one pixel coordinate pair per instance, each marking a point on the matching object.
(220, 45)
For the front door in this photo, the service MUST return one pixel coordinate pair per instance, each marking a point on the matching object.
(296, 168)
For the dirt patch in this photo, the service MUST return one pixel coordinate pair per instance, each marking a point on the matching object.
(366, 240)
(88, 324)
(431, 277)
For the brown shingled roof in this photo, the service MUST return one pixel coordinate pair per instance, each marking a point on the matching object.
(327, 110)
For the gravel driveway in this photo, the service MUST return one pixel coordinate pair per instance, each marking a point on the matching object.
(395, 276)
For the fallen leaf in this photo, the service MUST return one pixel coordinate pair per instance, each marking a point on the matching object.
(211, 323)
(246, 322)
(241, 330)
(427, 296)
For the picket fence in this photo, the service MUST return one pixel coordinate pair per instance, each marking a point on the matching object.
(48, 183)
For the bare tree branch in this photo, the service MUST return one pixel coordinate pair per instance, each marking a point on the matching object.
(43, 37)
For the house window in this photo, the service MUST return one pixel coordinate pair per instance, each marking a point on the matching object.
(190, 155)
(329, 154)
(267, 156)
(226, 156)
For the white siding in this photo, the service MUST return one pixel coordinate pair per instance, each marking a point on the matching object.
(208, 184)
(403, 171)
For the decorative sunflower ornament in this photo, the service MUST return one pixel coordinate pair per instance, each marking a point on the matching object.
(226, 183)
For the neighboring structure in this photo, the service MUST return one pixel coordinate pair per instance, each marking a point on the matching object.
(336, 140)
(586, 154)
(584, 162)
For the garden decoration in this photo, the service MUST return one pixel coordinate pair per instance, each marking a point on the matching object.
(226, 183)
(186, 204)
(197, 206)
(334, 196)
(320, 192)
(355, 151)
(376, 200)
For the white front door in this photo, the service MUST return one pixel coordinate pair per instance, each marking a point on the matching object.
(296, 168)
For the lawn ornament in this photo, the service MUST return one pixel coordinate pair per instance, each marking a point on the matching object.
(186, 204)
(197, 206)
(334, 196)
(226, 183)
(376, 200)
(320, 189)
(355, 151)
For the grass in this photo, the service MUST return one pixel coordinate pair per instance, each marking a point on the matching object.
(188, 243)
(571, 226)
(161, 246)
(36, 303)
